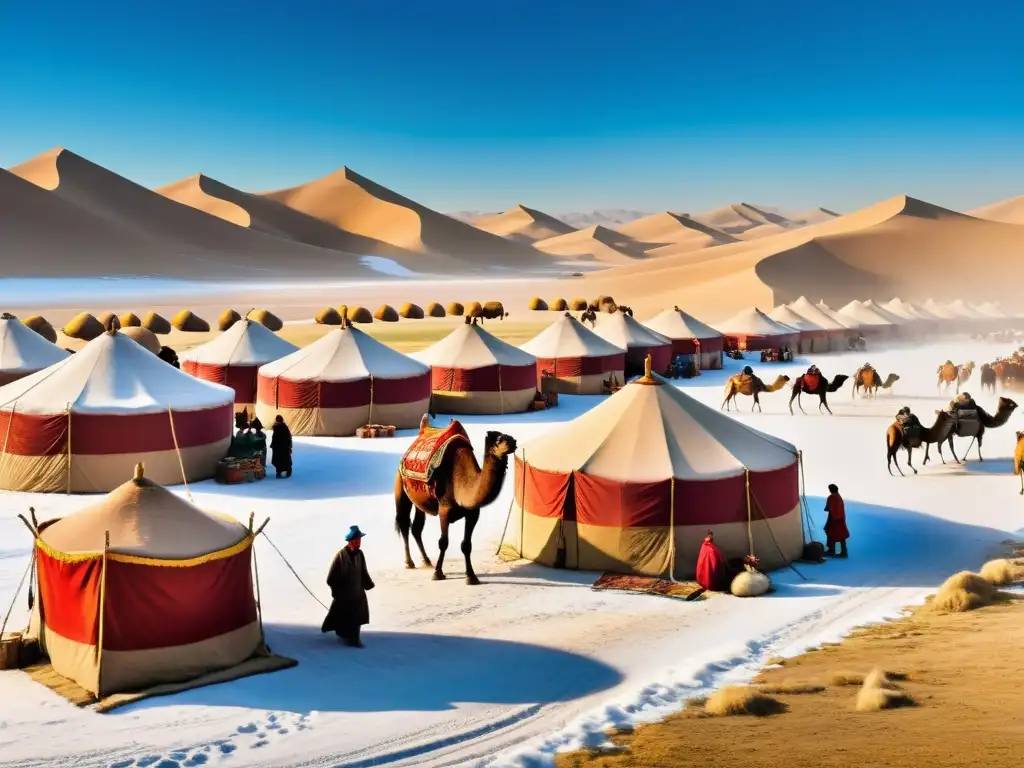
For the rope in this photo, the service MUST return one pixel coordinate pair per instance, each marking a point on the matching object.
(10, 421)
(259, 599)
(775, 541)
(750, 531)
(177, 451)
(508, 517)
(805, 510)
(69, 447)
(16, 593)
(103, 607)
(370, 419)
(672, 530)
(296, 575)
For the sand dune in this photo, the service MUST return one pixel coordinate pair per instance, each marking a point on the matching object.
(606, 217)
(594, 243)
(737, 218)
(666, 228)
(523, 224)
(362, 207)
(1007, 211)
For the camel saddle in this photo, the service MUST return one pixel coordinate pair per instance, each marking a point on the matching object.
(427, 453)
(911, 427)
(811, 381)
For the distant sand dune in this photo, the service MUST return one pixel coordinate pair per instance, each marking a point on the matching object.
(594, 243)
(661, 229)
(523, 224)
(1007, 211)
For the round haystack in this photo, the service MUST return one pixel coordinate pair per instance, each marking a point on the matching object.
(343, 311)
(474, 309)
(359, 314)
(750, 584)
(455, 309)
(411, 311)
(130, 320)
(188, 321)
(106, 318)
(1002, 572)
(156, 323)
(41, 325)
(606, 304)
(386, 314)
(435, 310)
(538, 304)
(559, 305)
(144, 337)
(84, 327)
(328, 316)
(578, 305)
(227, 319)
(266, 318)
(964, 591)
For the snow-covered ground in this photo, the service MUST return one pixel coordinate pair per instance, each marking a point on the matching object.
(532, 660)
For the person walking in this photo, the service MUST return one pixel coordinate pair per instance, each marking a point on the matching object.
(836, 531)
(349, 582)
(281, 445)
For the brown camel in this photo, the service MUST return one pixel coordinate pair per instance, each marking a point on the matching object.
(589, 316)
(751, 386)
(975, 428)
(953, 375)
(815, 384)
(868, 379)
(1018, 460)
(897, 437)
(460, 488)
(988, 377)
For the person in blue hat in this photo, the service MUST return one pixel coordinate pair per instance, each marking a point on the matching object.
(349, 582)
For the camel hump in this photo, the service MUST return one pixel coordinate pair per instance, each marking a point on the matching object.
(429, 449)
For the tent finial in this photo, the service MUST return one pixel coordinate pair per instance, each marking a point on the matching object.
(140, 470)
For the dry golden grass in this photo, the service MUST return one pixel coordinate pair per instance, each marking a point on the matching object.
(386, 314)
(83, 326)
(846, 678)
(742, 700)
(359, 315)
(879, 692)
(227, 318)
(328, 316)
(456, 309)
(130, 320)
(188, 321)
(411, 311)
(435, 310)
(964, 591)
(775, 661)
(156, 323)
(538, 304)
(559, 304)
(41, 325)
(266, 318)
(1003, 571)
(794, 689)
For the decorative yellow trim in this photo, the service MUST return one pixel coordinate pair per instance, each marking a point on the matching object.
(65, 557)
(80, 557)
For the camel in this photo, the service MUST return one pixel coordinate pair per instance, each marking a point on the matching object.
(950, 375)
(750, 385)
(589, 316)
(461, 488)
(975, 428)
(988, 377)
(817, 384)
(1018, 460)
(896, 438)
(868, 379)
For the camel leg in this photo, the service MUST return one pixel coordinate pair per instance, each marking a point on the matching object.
(1020, 471)
(417, 533)
(467, 546)
(894, 458)
(403, 512)
(442, 544)
(953, 450)
(980, 435)
(824, 402)
(795, 395)
(757, 403)
(910, 454)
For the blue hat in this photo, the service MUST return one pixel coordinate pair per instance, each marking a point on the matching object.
(354, 533)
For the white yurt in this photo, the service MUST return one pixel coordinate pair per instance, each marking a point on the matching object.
(576, 358)
(869, 322)
(690, 336)
(638, 340)
(752, 330)
(23, 351)
(341, 382)
(813, 338)
(838, 333)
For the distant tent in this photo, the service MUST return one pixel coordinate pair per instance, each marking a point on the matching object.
(579, 360)
(638, 340)
(837, 332)
(23, 351)
(684, 329)
(752, 330)
(813, 338)
(870, 322)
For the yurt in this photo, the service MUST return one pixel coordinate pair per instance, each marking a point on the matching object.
(753, 330)
(638, 340)
(945, 313)
(576, 358)
(341, 382)
(80, 425)
(234, 357)
(23, 351)
(143, 589)
(634, 485)
(869, 323)
(689, 337)
(474, 372)
(813, 338)
(837, 332)
(901, 325)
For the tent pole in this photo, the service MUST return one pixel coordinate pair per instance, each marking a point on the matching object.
(501, 392)
(10, 421)
(177, 450)
(103, 603)
(750, 530)
(370, 419)
(672, 530)
(69, 448)
(256, 569)
(14, 597)
(501, 541)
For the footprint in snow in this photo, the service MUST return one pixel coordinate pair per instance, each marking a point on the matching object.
(248, 728)
(200, 758)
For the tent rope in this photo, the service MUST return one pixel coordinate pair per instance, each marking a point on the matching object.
(672, 530)
(177, 451)
(103, 610)
(750, 530)
(805, 510)
(508, 517)
(775, 541)
(370, 418)
(69, 447)
(17, 592)
(296, 575)
(256, 569)
(7, 436)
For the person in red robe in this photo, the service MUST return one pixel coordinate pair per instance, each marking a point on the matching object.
(836, 531)
(712, 567)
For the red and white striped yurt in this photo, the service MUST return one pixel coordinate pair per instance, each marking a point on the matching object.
(837, 332)
(341, 382)
(578, 359)
(23, 351)
(634, 485)
(813, 338)
(689, 336)
(472, 371)
(752, 330)
(638, 340)
(143, 589)
(235, 356)
(80, 425)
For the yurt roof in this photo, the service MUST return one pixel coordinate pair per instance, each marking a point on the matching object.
(901, 309)
(676, 324)
(649, 431)
(244, 343)
(816, 315)
(567, 337)
(846, 322)
(112, 374)
(865, 316)
(753, 322)
(145, 520)
(885, 314)
(344, 354)
(959, 307)
(22, 349)
(938, 310)
(786, 316)
(625, 332)
(923, 313)
(470, 346)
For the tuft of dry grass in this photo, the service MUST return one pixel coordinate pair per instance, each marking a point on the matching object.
(1002, 571)
(775, 661)
(879, 692)
(742, 700)
(188, 321)
(845, 678)
(130, 320)
(157, 323)
(964, 591)
(359, 314)
(83, 326)
(796, 689)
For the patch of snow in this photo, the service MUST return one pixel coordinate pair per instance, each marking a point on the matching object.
(386, 266)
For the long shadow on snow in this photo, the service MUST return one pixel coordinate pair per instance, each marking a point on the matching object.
(402, 672)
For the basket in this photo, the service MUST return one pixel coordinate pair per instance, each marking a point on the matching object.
(232, 471)
(376, 430)
(10, 650)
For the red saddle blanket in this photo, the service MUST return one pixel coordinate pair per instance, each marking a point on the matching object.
(811, 381)
(428, 451)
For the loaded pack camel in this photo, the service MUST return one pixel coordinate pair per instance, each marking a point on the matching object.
(748, 384)
(953, 375)
(974, 428)
(815, 383)
(868, 379)
(1018, 460)
(459, 488)
(988, 377)
(899, 436)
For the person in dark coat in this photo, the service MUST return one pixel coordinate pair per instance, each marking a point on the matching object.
(836, 531)
(349, 582)
(281, 445)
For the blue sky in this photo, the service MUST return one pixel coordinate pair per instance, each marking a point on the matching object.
(648, 104)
